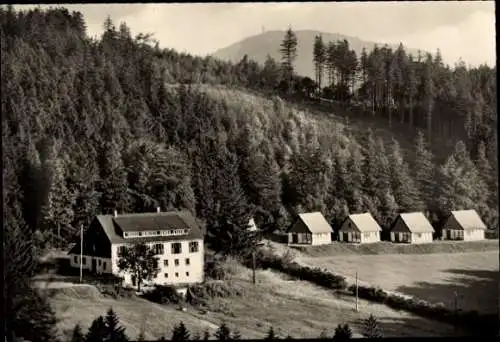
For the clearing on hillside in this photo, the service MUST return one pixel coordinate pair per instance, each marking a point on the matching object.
(468, 280)
(273, 301)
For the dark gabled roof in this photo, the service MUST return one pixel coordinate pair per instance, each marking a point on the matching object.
(113, 226)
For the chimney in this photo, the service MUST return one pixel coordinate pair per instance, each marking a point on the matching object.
(157, 209)
(116, 213)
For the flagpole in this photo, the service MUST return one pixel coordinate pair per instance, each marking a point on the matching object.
(81, 252)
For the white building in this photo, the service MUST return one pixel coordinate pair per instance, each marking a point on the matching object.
(360, 228)
(464, 225)
(412, 228)
(175, 235)
(310, 229)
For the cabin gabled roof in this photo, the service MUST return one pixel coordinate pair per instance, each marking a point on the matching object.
(364, 222)
(315, 223)
(468, 219)
(416, 222)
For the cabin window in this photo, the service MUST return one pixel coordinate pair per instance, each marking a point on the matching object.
(193, 247)
(165, 262)
(75, 259)
(186, 231)
(176, 248)
(100, 262)
(140, 233)
(158, 233)
(187, 274)
(176, 262)
(159, 248)
(419, 235)
(176, 274)
(166, 275)
(187, 261)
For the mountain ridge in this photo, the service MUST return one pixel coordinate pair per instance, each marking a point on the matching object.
(257, 47)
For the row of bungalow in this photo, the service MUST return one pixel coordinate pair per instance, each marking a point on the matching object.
(314, 229)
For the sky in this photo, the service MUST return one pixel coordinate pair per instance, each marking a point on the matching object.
(460, 29)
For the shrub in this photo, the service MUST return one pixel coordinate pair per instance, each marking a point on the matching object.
(164, 295)
(214, 289)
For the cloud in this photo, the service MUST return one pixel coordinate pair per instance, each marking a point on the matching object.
(473, 40)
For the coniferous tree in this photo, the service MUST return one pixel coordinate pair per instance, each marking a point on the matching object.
(97, 331)
(342, 333)
(405, 191)
(180, 333)
(319, 57)
(270, 334)
(424, 170)
(371, 328)
(114, 332)
(288, 49)
(77, 334)
(223, 332)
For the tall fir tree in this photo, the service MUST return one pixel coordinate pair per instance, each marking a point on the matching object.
(288, 50)
(319, 58)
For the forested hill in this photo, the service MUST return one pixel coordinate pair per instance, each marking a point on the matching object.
(258, 47)
(90, 126)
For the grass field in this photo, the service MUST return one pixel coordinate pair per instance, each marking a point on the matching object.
(292, 307)
(434, 277)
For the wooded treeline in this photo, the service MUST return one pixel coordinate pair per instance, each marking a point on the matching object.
(91, 126)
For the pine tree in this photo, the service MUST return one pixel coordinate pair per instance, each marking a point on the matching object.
(97, 331)
(371, 328)
(424, 171)
(223, 333)
(114, 332)
(428, 94)
(270, 334)
(288, 55)
(319, 57)
(405, 191)
(342, 333)
(77, 334)
(180, 333)
(58, 210)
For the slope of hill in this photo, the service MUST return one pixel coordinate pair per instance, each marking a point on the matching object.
(259, 46)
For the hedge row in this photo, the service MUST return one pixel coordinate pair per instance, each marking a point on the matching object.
(293, 269)
(480, 324)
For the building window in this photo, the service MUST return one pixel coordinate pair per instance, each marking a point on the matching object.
(75, 259)
(121, 250)
(187, 274)
(165, 262)
(100, 262)
(125, 234)
(419, 235)
(158, 233)
(187, 261)
(176, 262)
(159, 248)
(166, 275)
(84, 261)
(104, 264)
(193, 247)
(176, 274)
(140, 233)
(176, 248)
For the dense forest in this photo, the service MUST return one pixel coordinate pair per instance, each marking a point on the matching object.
(117, 123)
